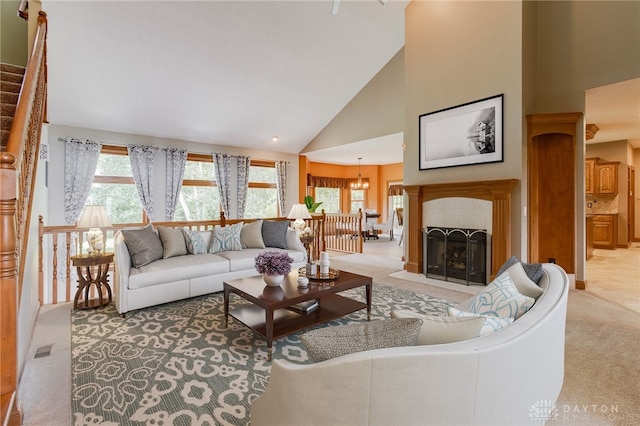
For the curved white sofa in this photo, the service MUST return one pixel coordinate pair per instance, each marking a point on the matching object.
(181, 277)
(490, 380)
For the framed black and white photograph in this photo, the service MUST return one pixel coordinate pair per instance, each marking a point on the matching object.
(466, 134)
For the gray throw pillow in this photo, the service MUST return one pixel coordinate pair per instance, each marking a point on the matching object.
(251, 235)
(274, 233)
(330, 342)
(172, 242)
(533, 270)
(144, 245)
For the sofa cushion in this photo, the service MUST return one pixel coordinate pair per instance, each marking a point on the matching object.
(439, 329)
(143, 244)
(274, 233)
(176, 269)
(172, 242)
(491, 324)
(329, 342)
(194, 241)
(501, 299)
(533, 270)
(226, 238)
(251, 235)
(521, 280)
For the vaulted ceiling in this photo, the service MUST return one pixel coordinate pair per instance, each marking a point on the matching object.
(220, 72)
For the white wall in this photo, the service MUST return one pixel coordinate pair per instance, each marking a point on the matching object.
(55, 213)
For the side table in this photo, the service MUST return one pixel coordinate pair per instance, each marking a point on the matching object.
(92, 271)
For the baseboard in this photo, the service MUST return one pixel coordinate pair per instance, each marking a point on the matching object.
(581, 285)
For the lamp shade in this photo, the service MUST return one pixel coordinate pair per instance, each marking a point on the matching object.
(299, 211)
(94, 217)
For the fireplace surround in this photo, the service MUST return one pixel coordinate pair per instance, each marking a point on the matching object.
(499, 192)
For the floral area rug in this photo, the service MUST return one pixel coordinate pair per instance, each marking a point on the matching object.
(177, 364)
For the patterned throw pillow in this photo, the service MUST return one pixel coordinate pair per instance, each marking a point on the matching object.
(501, 298)
(491, 323)
(195, 242)
(330, 342)
(437, 329)
(143, 244)
(226, 238)
(274, 233)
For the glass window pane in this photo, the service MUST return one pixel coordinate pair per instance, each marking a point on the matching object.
(199, 170)
(113, 165)
(330, 198)
(198, 203)
(121, 200)
(262, 174)
(261, 202)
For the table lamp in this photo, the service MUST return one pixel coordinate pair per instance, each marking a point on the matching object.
(299, 212)
(94, 218)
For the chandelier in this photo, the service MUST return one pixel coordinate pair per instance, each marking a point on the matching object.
(360, 184)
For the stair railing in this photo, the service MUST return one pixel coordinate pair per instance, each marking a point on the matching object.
(18, 165)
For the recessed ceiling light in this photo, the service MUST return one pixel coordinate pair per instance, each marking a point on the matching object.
(274, 139)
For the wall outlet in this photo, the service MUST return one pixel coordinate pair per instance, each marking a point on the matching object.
(589, 205)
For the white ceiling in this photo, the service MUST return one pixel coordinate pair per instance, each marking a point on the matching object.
(221, 72)
(615, 109)
(240, 72)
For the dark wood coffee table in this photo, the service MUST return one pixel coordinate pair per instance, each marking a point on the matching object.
(270, 315)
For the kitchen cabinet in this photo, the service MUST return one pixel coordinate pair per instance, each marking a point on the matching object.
(600, 177)
(589, 176)
(605, 231)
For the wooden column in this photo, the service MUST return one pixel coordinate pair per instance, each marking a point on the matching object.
(414, 230)
(8, 291)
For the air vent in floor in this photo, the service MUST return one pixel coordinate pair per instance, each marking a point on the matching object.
(43, 351)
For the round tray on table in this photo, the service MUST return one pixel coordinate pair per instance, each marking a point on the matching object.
(332, 275)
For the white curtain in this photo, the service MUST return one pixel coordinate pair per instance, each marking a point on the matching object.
(176, 162)
(142, 159)
(281, 185)
(222, 163)
(243, 183)
(80, 162)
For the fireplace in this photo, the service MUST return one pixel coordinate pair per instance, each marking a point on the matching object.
(457, 255)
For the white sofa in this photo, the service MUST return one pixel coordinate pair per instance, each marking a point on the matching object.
(181, 277)
(501, 378)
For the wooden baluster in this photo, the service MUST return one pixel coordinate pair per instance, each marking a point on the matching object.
(54, 283)
(68, 267)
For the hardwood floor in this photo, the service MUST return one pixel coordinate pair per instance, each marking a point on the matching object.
(614, 275)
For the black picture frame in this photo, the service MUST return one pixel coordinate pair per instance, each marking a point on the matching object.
(471, 133)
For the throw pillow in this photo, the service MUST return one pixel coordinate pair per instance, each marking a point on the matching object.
(330, 342)
(523, 283)
(226, 238)
(491, 324)
(533, 270)
(274, 233)
(194, 241)
(172, 241)
(437, 329)
(251, 235)
(501, 299)
(143, 244)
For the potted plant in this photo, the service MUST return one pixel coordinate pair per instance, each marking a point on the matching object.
(273, 265)
(311, 205)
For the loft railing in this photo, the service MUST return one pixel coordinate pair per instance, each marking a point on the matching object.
(57, 279)
(18, 165)
(344, 232)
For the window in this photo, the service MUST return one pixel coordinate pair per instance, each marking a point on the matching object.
(114, 188)
(357, 200)
(330, 198)
(262, 195)
(199, 197)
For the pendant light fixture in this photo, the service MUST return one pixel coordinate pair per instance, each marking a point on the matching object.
(360, 184)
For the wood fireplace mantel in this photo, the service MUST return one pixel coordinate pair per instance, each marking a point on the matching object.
(497, 191)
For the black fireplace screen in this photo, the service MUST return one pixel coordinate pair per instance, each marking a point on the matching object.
(458, 255)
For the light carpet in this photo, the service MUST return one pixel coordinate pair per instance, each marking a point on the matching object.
(178, 364)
